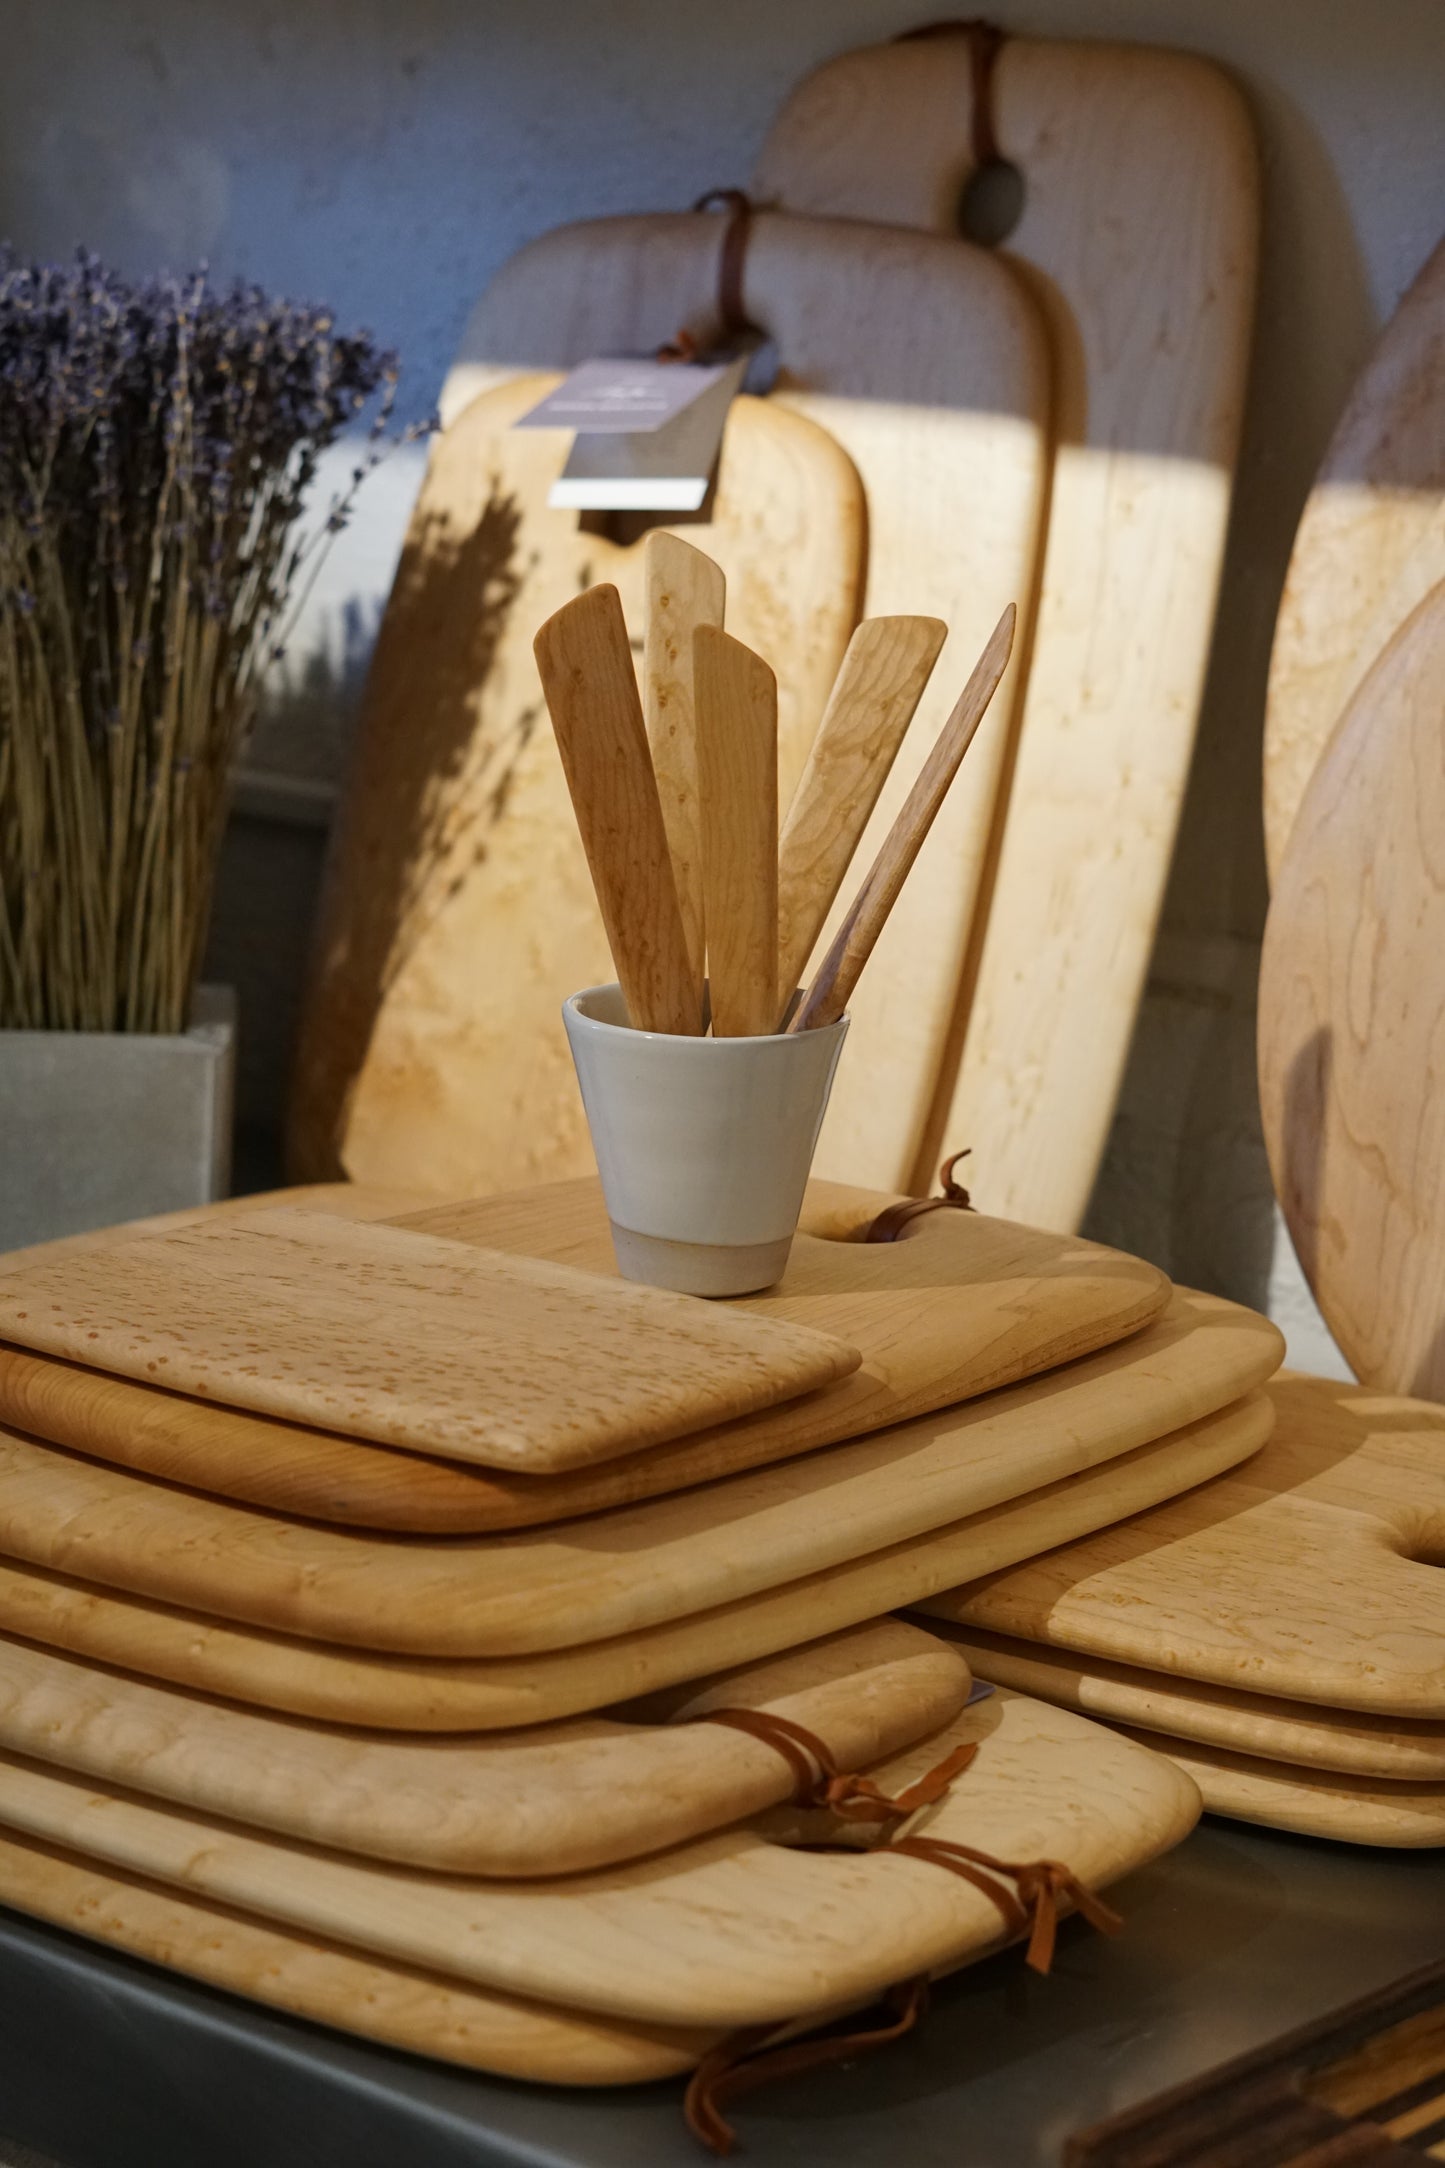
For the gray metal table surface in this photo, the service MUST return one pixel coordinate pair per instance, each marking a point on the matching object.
(108, 2062)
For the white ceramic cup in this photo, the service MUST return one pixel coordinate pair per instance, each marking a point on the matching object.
(703, 1145)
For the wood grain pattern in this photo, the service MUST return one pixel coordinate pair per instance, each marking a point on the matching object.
(585, 665)
(347, 1200)
(1351, 1027)
(868, 914)
(350, 1686)
(736, 701)
(1369, 547)
(878, 688)
(926, 361)
(730, 1930)
(1255, 1724)
(683, 589)
(400, 2006)
(1300, 1576)
(546, 1801)
(411, 1339)
(958, 1307)
(637, 1566)
(1311, 1802)
(417, 1063)
(1150, 347)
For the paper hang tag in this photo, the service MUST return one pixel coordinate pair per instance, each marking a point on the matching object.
(647, 432)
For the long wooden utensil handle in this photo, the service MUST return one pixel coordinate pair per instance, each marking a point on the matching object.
(852, 945)
(587, 675)
(737, 765)
(887, 665)
(684, 589)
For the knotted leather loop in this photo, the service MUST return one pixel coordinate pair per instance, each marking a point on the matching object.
(985, 42)
(892, 1220)
(1040, 1884)
(817, 1779)
(732, 315)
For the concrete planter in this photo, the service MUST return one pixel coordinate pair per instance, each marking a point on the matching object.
(101, 1126)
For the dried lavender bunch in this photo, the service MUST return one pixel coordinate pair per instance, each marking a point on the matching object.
(157, 443)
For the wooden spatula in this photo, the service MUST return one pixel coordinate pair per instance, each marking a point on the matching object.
(883, 674)
(586, 669)
(736, 699)
(852, 945)
(684, 589)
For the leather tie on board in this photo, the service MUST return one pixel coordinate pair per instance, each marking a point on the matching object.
(892, 1220)
(732, 255)
(1040, 1884)
(985, 42)
(818, 1781)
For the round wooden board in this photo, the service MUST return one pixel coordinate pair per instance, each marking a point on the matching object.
(1352, 1020)
(1370, 545)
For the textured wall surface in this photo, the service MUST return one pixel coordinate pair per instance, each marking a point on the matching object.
(389, 158)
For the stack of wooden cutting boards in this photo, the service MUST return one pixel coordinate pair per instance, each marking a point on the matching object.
(953, 427)
(370, 1593)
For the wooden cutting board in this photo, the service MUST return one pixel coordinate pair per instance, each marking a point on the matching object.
(548, 1801)
(733, 1929)
(397, 2005)
(927, 362)
(1138, 234)
(1311, 1802)
(1298, 1733)
(957, 1307)
(1370, 546)
(411, 1339)
(350, 1686)
(1299, 1576)
(458, 841)
(1351, 1027)
(637, 1566)
(349, 1200)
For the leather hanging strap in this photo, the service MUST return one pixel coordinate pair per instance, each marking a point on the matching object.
(892, 1220)
(1040, 1884)
(745, 2060)
(732, 315)
(817, 1779)
(985, 42)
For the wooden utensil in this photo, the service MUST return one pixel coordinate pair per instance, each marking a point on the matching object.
(1150, 353)
(1350, 1022)
(551, 1800)
(457, 840)
(730, 1930)
(1369, 547)
(927, 362)
(1301, 1735)
(960, 1306)
(388, 1333)
(585, 664)
(349, 1686)
(1297, 1577)
(640, 1565)
(736, 699)
(879, 685)
(403, 2007)
(683, 589)
(854, 942)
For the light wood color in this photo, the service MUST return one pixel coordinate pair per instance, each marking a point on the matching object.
(545, 1801)
(960, 1306)
(683, 589)
(868, 914)
(347, 1200)
(1150, 341)
(458, 912)
(412, 1339)
(1300, 1576)
(588, 1581)
(733, 1929)
(1295, 1733)
(927, 362)
(1351, 1810)
(585, 664)
(400, 2006)
(1351, 1028)
(1370, 545)
(312, 1679)
(878, 688)
(736, 701)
